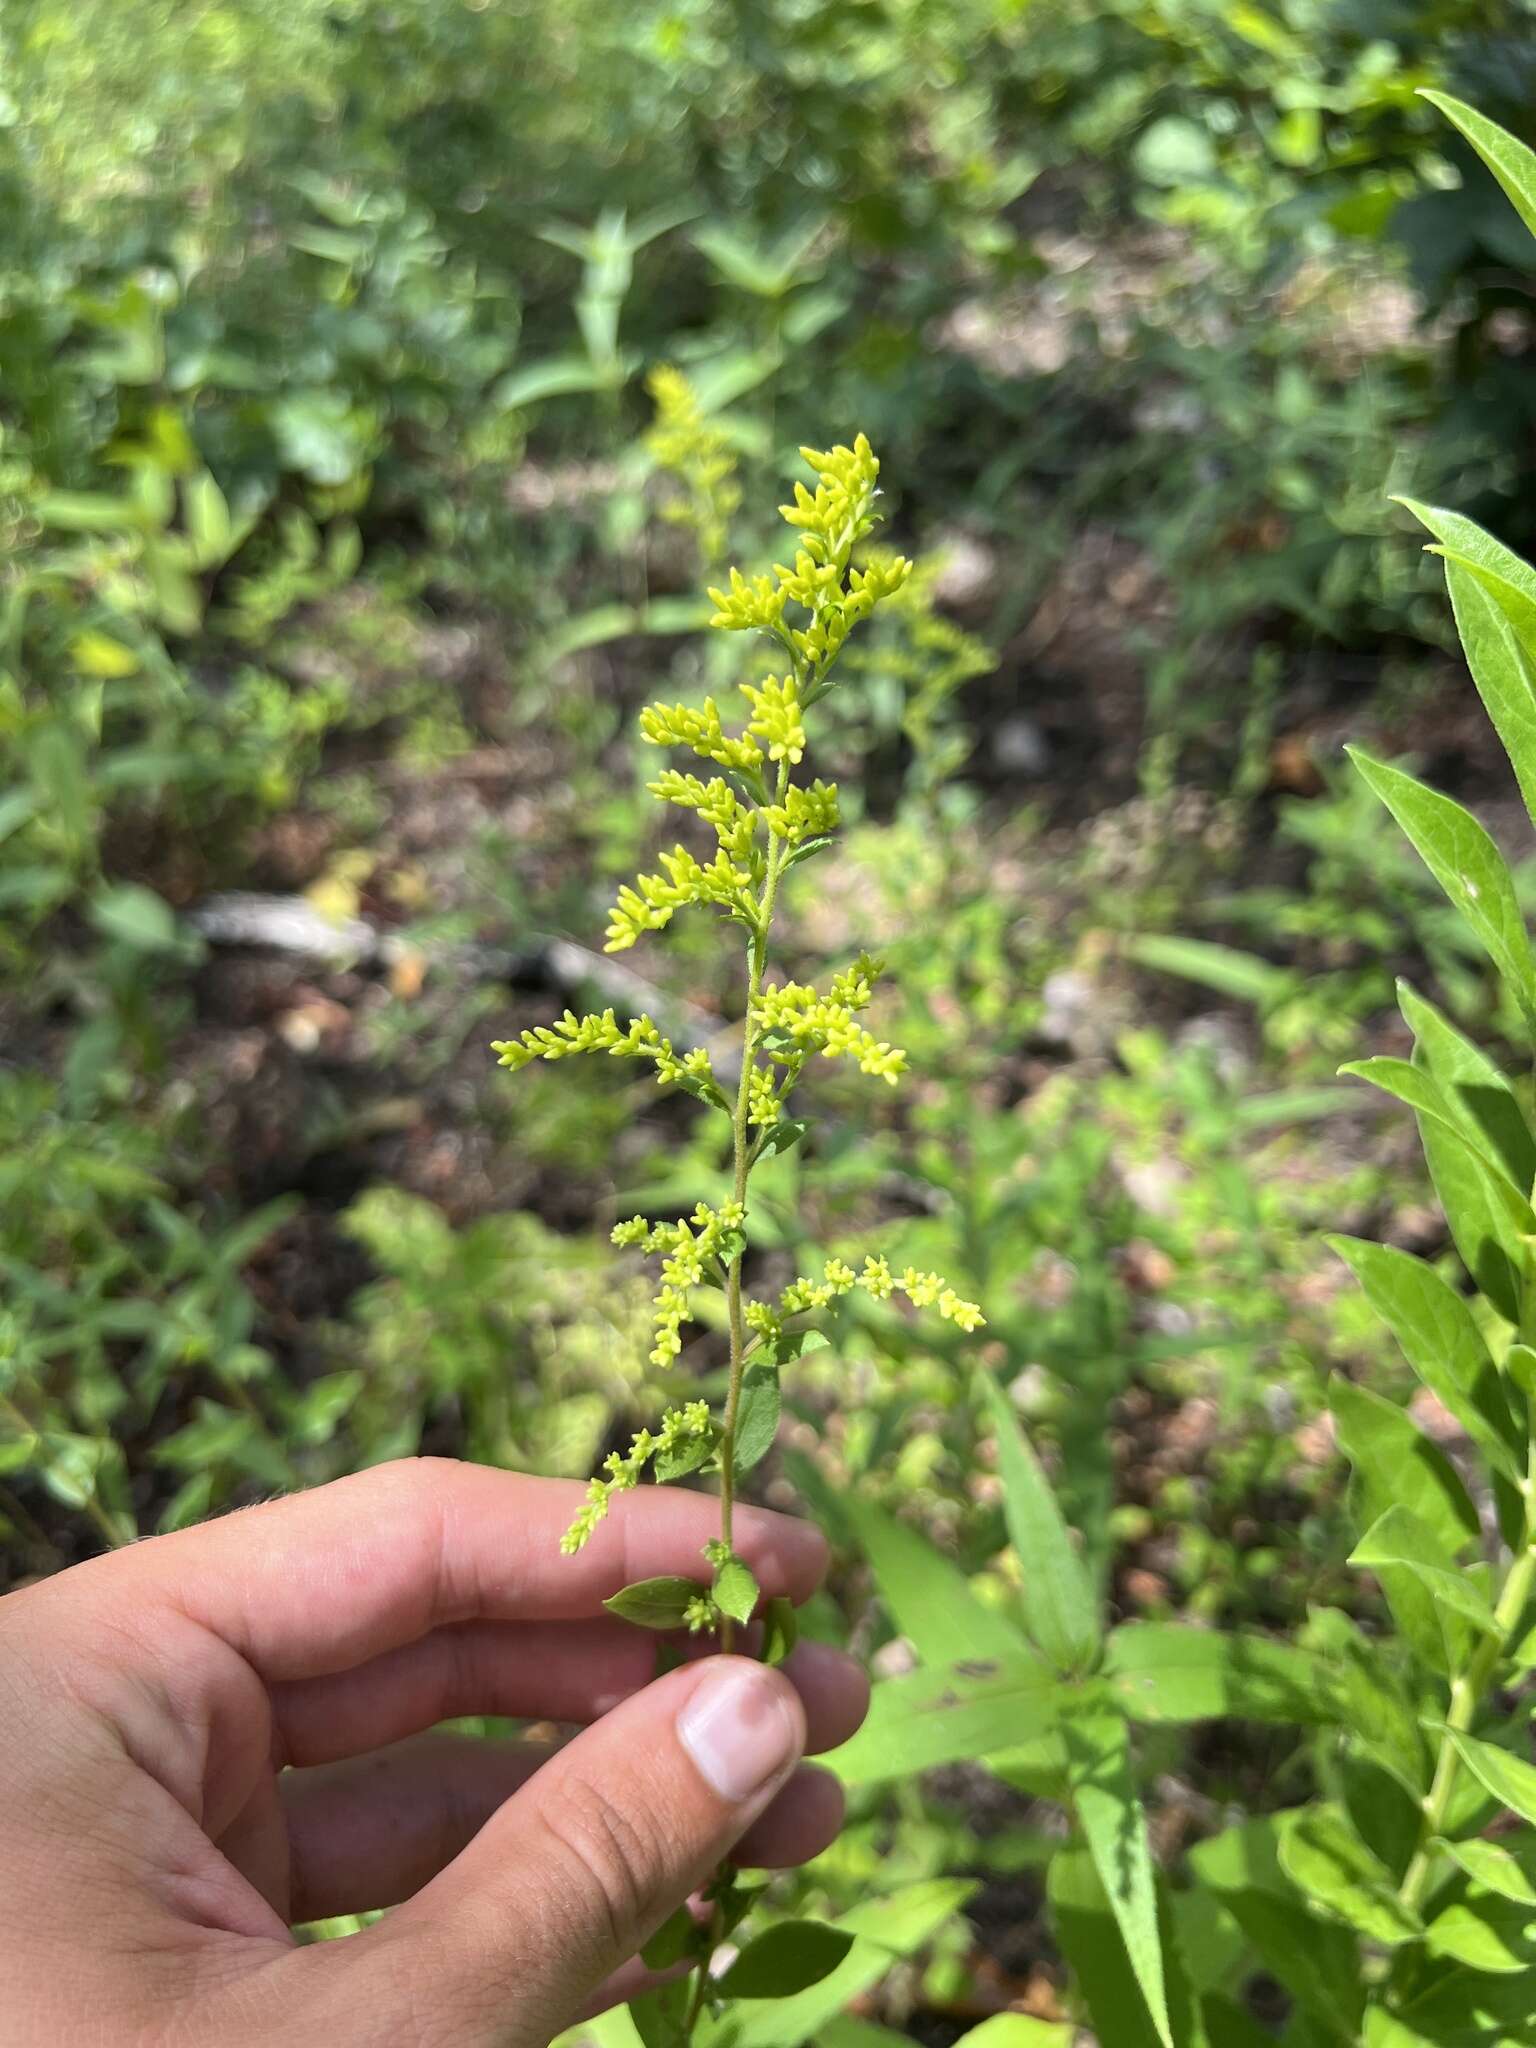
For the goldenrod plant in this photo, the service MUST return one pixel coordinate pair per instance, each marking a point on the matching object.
(767, 820)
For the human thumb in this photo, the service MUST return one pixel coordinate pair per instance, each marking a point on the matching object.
(580, 1867)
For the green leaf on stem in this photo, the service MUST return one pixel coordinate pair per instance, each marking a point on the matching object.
(1501, 667)
(1495, 1867)
(944, 1717)
(1489, 1216)
(1508, 1779)
(781, 1630)
(1102, 1781)
(1395, 1461)
(1400, 1537)
(1090, 1939)
(661, 2017)
(1510, 161)
(677, 1936)
(655, 1603)
(1488, 1933)
(788, 1958)
(928, 1598)
(1061, 1609)
(1465, 862)
(735, 1590)
(757, 1416)
(1317, 1961)
(1334, 1870)
(1441, 1341)
(1167, 1672)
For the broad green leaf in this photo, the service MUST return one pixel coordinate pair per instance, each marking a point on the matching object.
(1465, 862)
(788, 1958)
(1501, 669)
(1316, 1960)
(1441, 1341)
(1510, 161)
(736, 1590)
(900, 1924)
(757, 1421)
(1400, 1537)
(1334, 1870)
(1164, 1671)
(1492, 1865)
(1394, 1461)
(1061, 1609)
(1487, 1933)
(928, 1598)
(944, 1717)
(655, 1603)
(1090, 1940)
(1102, 1780)
(1509, 1779)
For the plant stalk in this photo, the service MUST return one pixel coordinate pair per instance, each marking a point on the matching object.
(1467, 1691)
(741, 1146)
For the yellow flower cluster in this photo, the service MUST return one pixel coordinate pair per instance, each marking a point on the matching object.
(688, 1248)
(804, 1022)
(831, 521)
(654, 900)
(674, 725)
(624, 1469)
(764, 1102)
(805, 813)
(776, 718)
(639, 1039)
(804, 1296)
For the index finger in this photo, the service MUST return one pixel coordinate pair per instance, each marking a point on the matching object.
(320, 1581)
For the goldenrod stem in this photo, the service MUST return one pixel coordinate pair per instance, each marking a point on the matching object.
(757, 960)
(1467, 1691)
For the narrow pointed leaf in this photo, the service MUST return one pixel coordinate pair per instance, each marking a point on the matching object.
(1090, 1940)
(1492, 1866)
(1061, 1609)
(1440, 1340)
(1335, 1872)
(1472, 1087)
(1510, 161)
(929, 1598)
(1509, 1779)
(1469, 543)
(1465, 862)
(944, 1717)
(1161, 1672)
(1501, 669)
(1102, 1782)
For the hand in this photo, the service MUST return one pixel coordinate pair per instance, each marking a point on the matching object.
(207, 1736)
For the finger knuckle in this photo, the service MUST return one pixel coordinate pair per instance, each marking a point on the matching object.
(609, 1865)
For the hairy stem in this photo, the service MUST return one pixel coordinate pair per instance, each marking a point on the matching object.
(741, 1146)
